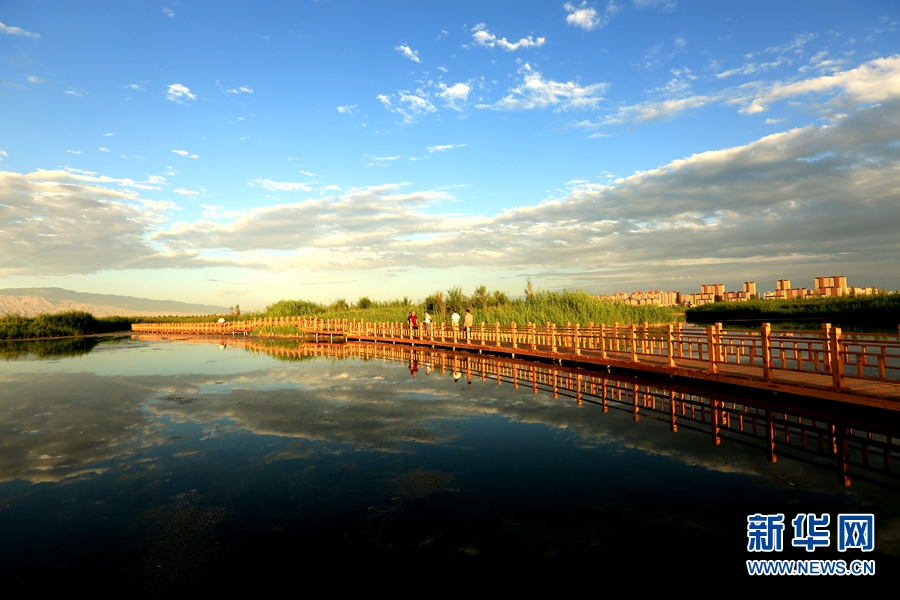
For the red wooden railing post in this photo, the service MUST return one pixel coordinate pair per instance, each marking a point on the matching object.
(670, 345)
(602, 341)
(632, 340)
(837, 358)
(766, 342)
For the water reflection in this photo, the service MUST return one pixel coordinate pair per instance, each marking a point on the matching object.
(382, 449)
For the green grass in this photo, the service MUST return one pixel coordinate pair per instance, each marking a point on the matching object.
(879, 309)
(542, 307)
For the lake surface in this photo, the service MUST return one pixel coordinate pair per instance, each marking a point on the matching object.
(177, 466)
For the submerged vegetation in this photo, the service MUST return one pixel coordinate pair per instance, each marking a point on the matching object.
(877, 309)
(64, 348)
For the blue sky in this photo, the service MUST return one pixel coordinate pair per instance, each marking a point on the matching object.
(243, 153)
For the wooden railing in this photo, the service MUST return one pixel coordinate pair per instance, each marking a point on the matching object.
(870, 356)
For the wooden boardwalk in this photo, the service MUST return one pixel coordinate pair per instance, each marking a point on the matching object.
(860, 369)
(881, 394)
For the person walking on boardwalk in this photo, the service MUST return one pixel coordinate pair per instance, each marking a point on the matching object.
(413, 321)
(454, 319)
(468, 323)
(427, 321)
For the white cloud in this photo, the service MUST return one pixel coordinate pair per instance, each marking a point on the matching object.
(74, 151)
(168, 11)
(62, 223)
(135, 86)
(536, 92)
(657, 111)
(820, 194)
(34, 79)
(482, 37)
(281, 186)
(185, 153)
(241, 90)
(17, 31)
(102, 149)
(348, 109)
(76, 93)
(3, 155)
(455, 95)
(433, 149)
(774, 121)
(587, 17)
(151, 183)
(874, 81)
(408, 104)
(188, 193)
(409, 53)
(177, 93)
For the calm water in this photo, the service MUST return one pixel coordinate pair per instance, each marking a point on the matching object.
(171, 467)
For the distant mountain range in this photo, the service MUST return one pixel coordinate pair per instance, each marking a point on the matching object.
(29, 302)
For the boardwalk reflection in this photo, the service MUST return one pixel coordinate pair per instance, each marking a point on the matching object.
(858, 443)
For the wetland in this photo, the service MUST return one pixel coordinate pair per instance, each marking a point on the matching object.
(173, 466)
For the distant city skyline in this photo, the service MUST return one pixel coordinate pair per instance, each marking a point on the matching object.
(823, 286)
(237, 154)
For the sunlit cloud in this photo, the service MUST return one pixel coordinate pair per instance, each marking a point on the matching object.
(411, 105)
(587, 18)
(281, 186)
(66, 222)
(17, 31)
(535, 92)
(408, 52)
(239, 90)
(433, 149)
(177, 93)
(482, 37)
(456, 95)
(871, 82)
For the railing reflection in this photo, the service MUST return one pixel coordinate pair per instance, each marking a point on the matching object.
(864, 441)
